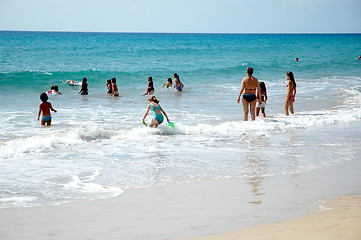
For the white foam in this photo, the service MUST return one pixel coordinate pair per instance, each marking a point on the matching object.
(86, 186)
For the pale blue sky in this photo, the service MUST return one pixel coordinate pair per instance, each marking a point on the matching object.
(220, 16)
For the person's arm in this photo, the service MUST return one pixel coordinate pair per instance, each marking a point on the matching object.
(240, 92)
(265, 97)
(294, 94)
(165, 114)
(52, 109)
(258, 93)
(39, 112)
(145, 115)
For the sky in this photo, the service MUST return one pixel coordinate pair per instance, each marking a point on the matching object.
(184, 16)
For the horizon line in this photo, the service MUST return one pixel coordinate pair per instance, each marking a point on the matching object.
(150, 32)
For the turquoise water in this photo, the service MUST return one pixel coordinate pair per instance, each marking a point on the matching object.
(97, 146)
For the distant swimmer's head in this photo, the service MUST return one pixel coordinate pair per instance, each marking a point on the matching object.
(152, 98)
(85, 79)
(114, 80)
(52, 87)
(250, 70)
(44, 97)
(56, 88)
(150, 79)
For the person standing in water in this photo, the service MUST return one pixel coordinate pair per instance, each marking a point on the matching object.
(261, 103)
(44, 110)
(84, 87)
(150, 88)
(115, 91)
(157, 110)
(178, 85)
(290, 93)
(250, 90)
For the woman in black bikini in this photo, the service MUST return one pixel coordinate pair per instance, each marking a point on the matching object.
(250, 90)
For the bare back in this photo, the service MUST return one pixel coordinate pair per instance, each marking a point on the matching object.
(250, 85)
(45, 108)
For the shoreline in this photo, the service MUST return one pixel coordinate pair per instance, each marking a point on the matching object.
(186, 210)
(340, 219)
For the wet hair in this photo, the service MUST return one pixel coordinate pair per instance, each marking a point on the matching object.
(109, 81)
(292, 78)
(169, 80)
(250, 70)
(150, 79)
(56, 88)
(176, 75)
(85, 79)
(114, 80)
(44, 97)
(262, 85)
(152, 98)
(52, 87)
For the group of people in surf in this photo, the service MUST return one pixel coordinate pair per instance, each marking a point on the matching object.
(254, 95)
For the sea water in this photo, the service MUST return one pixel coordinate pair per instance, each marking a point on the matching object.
(97, 146)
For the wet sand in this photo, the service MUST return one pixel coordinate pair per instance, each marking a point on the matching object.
(340, 219)
(206, 208)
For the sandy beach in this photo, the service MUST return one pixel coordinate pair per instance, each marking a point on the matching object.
(207, 208)
(341, 219)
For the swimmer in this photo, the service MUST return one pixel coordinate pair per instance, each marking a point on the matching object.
(178, 85)
(84, 87)
(249, 89)
(168, 84)
(44, 109)
(157, 112)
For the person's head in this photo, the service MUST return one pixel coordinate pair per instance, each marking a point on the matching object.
(175, 75)
(262, 85)
(44, 97)
(85, 79)
(52, 87)
(297, 59)
(109, 81)
(56, 88)
(169, 80)
(289, 76)
(250, 71)
(152, 98)
(150, 79)
(114, 80)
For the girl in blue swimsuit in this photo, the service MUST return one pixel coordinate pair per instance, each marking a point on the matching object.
(157, 112)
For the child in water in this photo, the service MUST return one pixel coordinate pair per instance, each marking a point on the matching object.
(157, 112)
(150, 88)
(45, 108)
(84, 87)
(261, 104)
(168, 84)
(115, 91)
(54, 89)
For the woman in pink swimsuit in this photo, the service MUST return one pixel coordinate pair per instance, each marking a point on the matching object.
(290, 93)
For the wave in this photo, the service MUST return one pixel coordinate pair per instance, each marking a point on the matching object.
(229, 131)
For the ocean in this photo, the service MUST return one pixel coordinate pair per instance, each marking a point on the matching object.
(97, 146)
